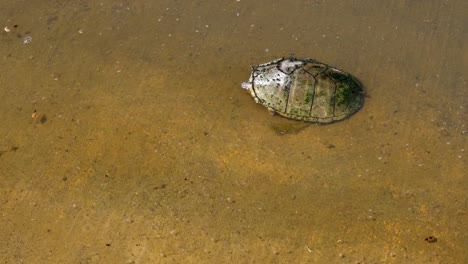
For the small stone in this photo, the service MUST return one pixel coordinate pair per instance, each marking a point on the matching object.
(27, 40)
(35, 115)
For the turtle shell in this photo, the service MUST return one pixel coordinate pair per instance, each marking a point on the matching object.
(305, 89)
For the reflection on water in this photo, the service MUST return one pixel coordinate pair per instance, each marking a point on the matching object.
(151, 152)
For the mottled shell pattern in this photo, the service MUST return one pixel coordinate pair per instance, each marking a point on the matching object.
(305, 89)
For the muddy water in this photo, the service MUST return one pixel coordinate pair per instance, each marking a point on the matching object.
(144, 149)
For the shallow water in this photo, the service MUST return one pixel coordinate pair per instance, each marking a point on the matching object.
(146, 149)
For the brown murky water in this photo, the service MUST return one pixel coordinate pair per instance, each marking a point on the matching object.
(146, 149)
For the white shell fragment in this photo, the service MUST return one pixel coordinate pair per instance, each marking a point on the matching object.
(27, 40)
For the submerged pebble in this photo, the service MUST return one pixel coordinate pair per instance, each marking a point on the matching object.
(27, 40)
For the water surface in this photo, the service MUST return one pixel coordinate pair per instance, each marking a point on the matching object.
(146, 149)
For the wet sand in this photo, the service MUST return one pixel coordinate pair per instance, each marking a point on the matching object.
(146, 149)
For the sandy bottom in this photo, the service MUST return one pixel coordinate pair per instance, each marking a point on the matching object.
(144, 148)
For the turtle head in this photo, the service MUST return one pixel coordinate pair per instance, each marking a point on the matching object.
(246, 85)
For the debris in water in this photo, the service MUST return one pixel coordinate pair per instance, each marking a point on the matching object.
(35, 115)
(27, 40)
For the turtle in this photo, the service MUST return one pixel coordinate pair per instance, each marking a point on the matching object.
(305, 89)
